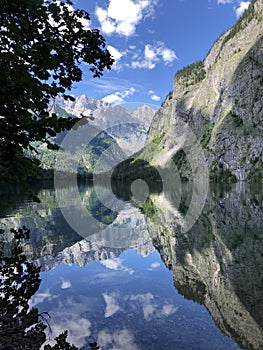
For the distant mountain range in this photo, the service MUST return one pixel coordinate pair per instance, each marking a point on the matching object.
(82, 105)
(129, 129)
(117, 134)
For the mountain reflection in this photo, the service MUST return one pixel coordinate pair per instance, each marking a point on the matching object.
(217, 263)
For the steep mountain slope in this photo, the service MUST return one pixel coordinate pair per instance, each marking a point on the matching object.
(144, 114)
(220, 99)
(93, 156)
(129, 129)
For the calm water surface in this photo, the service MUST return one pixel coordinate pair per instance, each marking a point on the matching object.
(136, 280)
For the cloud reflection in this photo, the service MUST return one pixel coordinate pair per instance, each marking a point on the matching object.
(41, 297)
(70, 315)
(65, 284)
(119, 340)
(111, 304)
(154, 265)
(147, 304)
(116, 264)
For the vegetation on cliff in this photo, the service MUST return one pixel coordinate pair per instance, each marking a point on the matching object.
(192, 74)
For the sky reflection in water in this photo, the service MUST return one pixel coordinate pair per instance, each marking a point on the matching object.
(115, 288)
(127, 302)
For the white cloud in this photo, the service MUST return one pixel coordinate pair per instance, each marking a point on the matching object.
(148, 310)
(111, 304)
(154, 54)
(107, 27)
(155, 265)
(116, 54)
(122, 17)
(68, 319)
(101, 14)
(79, 328)
(142, 297)
(129, 92)
(168, 55)
(113, 99)
(65, 284)
(243, 6)
(111, 84)
(149, 52)
(155, 97)
(116, 98)
(224, 1)
(104, 338)
(68, 314)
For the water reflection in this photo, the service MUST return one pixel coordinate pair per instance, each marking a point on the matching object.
(219, 261)
(22, 326)
(121, 298)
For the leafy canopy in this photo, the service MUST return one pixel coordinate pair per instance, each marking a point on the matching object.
(42, 44)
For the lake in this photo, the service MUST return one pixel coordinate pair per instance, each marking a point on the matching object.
(125, 273)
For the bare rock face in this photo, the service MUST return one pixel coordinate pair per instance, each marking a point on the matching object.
(221, 100)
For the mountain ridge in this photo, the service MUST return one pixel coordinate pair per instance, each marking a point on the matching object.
(220, 100)
(117, 134)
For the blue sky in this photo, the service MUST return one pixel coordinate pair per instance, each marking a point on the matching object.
(150, 40)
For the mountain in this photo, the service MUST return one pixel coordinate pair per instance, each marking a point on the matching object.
(114, 134)
(219, 101)
(105, 113)
(92, 150)
(144, 114)
(129, 129)
(87, 155)
(82, 105)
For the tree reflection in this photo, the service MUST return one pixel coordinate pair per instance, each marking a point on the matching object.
(20, 326)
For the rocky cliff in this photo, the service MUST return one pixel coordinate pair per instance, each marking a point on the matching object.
(220, 100)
